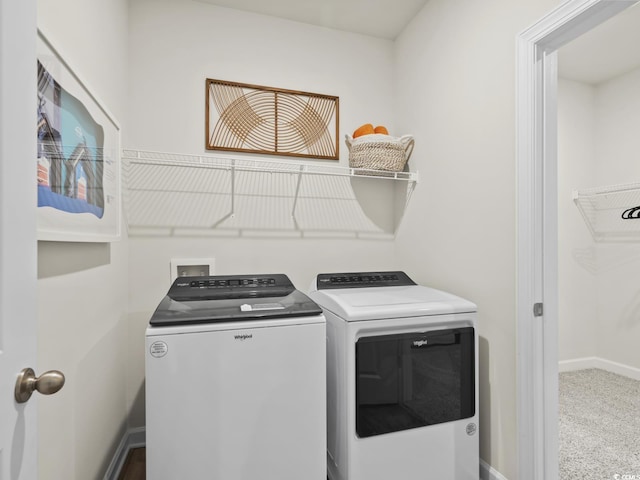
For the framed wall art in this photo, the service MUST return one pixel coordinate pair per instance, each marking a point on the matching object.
(78, 156)
(241, 117)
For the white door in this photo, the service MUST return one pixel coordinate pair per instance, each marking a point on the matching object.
(18, 430)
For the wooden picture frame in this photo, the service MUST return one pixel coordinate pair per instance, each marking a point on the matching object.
(78, 156)
(241, 117)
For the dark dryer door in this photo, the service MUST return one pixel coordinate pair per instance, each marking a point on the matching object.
(413, 380)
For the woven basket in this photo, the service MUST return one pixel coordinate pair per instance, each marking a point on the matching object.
(379, 152)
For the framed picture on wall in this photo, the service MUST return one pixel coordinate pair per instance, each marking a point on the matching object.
(78, 156)
(241, 117)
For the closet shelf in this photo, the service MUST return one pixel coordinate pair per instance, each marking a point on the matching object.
(174, 193)
(610, 212)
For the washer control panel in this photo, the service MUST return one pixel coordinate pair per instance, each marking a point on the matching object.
(221, 282)
(230, 286)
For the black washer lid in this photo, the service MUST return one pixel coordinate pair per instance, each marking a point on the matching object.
(215, 299)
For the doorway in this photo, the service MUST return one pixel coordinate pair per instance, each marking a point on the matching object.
(537, 228)
(599, 250)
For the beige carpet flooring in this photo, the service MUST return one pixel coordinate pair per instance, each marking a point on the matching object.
(599, 426)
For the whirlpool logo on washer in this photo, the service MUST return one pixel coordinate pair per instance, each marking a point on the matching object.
(243, 337)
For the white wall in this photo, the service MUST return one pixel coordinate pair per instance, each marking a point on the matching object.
(577, 256)
(599, 146)
(174, 46)
(617, 140)
(82, 288)
(455, 90)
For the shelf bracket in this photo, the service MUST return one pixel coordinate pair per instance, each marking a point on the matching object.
(295, 200)
(233, 188)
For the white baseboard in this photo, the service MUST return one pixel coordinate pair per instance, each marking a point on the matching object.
(133, 438)
(487, 472)
(577, 364)
(601, 363)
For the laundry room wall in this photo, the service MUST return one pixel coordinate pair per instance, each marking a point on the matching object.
(174, 46)
(82, 287)
(455, 91)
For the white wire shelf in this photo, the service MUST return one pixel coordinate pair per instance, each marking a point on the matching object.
(609, 212)
(256, 165)
(172, 193)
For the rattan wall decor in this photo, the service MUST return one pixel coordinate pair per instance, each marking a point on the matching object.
(251, 118)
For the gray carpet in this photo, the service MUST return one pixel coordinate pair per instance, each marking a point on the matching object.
(599, 426)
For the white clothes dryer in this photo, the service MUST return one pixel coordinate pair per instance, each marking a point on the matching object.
(235, 381)
(402, 379)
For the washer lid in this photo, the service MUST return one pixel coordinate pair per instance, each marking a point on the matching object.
(231, 298)
(381, 302)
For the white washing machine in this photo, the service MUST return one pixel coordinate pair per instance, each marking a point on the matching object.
(235, 381)
(402, 379)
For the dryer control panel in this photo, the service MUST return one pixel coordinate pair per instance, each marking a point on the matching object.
(327, 281)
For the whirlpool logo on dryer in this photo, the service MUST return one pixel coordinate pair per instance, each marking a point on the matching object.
(243, 337)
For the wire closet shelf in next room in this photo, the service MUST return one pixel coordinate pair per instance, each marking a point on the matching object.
(611, 213)
(176, 194)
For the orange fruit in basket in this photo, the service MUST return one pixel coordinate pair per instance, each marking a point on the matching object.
(382, 130)
(365, 129)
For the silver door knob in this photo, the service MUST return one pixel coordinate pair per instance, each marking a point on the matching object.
(47, 383)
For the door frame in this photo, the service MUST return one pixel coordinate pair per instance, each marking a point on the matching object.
(537, 229)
